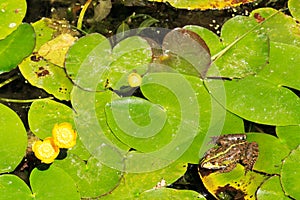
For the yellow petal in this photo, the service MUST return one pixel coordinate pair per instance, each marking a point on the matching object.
(63, 135)
(45, 150)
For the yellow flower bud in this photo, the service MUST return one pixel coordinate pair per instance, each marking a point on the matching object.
(45, 150)
(134, 80)
(63, 135)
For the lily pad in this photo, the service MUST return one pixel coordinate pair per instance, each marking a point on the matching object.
(289, 135)
(234, 184)
(202, 4)
(11, 16)
(133, 185)
(246, 49)
(53, 113)
(294, 8)
(43, 73)
(290, 174)
(15, 47)
(271, 189)
(260, 101)
(278, 26)
(13, 138)
(12, 188)
(53, 183)
(271, 152)
(283, 69)
(92, 178)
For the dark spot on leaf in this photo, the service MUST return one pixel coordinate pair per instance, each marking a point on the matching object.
(35, 57)
(258, 17)
(42, 72)
(229, 192)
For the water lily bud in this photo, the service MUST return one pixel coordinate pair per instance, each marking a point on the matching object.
(63, 135)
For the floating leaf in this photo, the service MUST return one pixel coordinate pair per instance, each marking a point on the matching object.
(42, 73)
(289, 135)
(53, 183)
(283, 69)
(12, 188)
(294, 8)
(15, 47)
(133, 185)
(13, 139)
(211, 39)
(278, 26)
(92, 178)
(185, 52)
(271, 189)
(246, 50)
(290, 174)
(55, 50)
(271, 152)
(260, 101)
(203, 4)
(11, 16)
(234, 184)
(52, 113)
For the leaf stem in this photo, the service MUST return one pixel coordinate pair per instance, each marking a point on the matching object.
(82, 12)
(22, 100)
(8, 81)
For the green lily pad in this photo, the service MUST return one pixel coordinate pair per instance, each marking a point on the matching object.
(113, 66)
(278, 26)
(12, 188)
(290, 174)
(271, 189)
(11, 16)
(13, 138)
(260, 101)
(169, 193)
(246, 49)
(133, 185)
(53, 183)
(288, 135)
(283, 69)
(91, 177)
(271, 152)
(51, 113)
(202, 4)
(43, 73)
(294, 8)
(15, 47)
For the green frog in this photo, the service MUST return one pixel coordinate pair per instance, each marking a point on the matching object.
(230, 149)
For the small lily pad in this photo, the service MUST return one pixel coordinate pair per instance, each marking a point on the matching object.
(13, 138)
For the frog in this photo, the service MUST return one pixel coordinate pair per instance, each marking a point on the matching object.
(230, 150)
